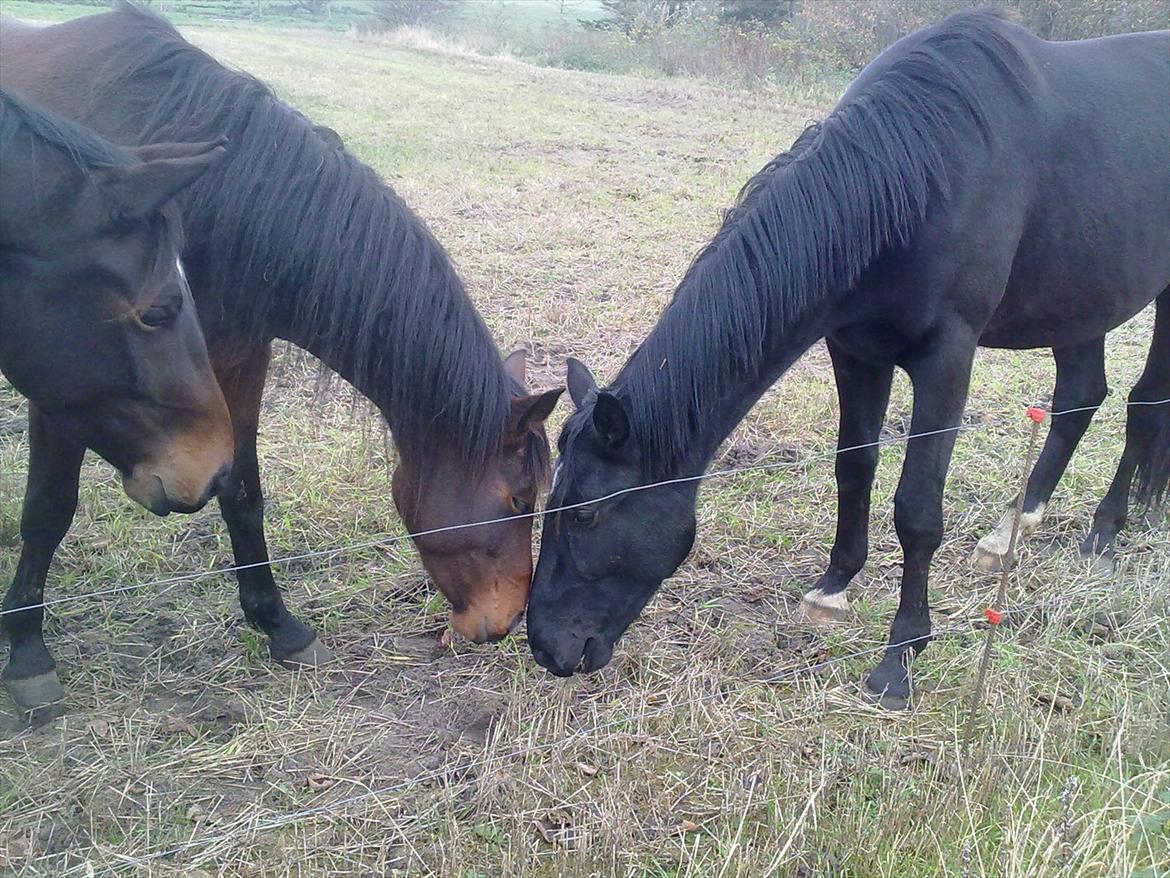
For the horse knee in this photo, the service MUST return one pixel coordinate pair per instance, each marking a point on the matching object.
(45, 520)
(1097, 393)
(919, 523)
(242, 507)
(855, 470)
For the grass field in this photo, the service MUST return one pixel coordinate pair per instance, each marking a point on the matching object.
(340, 14)
(572, 203)
(507, 16)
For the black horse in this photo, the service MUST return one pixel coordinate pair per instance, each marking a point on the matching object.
(975, 186)
(292, 237)
(99, 333)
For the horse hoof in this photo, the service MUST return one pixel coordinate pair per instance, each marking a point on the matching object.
(885, 699)
(31, 693)
(987, 562)
(823, 609)
(1099, 565)
(311, 657)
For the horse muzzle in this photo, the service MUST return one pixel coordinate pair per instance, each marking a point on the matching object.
(149, 488)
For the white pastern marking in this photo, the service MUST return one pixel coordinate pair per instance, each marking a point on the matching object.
(996, 542)
(835, 601)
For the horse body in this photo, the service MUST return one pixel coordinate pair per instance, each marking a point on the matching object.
(1096, 219)
(975, 185)
(294, 238)
(1078, 236)
(98, 331)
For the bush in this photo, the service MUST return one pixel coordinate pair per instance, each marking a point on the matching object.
(847, 35)
(748, 42)
(592, 50)
(390, 14)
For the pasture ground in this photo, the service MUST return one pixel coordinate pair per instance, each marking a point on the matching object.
(572, 203)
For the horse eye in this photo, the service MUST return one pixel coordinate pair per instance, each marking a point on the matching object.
(521, 506)
(158, 315)
(584, 516)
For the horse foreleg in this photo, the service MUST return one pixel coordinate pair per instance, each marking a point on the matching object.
(1147, 442)
(50, 501)
(291, 642)
(1080, 383)
(940, 377)
(863, 390)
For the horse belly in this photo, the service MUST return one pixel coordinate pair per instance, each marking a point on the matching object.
(1082, 270)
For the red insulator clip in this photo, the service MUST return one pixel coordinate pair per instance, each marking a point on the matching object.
(993, 616)
(1036, 414)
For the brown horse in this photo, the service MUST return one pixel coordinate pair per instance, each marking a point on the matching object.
(291, 237)
(98, 331)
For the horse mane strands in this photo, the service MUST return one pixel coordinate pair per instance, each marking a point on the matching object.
(807, 226)
(328, 253)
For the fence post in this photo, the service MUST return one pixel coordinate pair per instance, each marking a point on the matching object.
(994, 613)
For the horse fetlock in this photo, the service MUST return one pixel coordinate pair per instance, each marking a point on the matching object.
(990, 551)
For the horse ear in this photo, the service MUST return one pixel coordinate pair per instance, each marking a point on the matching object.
(139, 190)
(150, 152)
(516, 365)
(611, 421)
(531, 411)
(580, 381)
(331, 138)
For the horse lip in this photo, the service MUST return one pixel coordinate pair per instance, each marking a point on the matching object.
(558, 670)
(545, 659)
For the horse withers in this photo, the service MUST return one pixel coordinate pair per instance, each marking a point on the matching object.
(98, 331)
(975, 185)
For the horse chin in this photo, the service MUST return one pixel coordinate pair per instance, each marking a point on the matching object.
(148, 491)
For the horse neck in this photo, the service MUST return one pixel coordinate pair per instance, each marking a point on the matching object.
(806, 228)
(714, 411)
(353, 276)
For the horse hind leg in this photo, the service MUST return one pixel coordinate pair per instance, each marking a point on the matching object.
(291, 642)
(1145, 461)
(1080, 384)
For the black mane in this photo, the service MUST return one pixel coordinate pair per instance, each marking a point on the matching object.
(319, 243)
(87, 149)
(806, 227)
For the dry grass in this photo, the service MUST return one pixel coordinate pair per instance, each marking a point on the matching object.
(572, 203)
